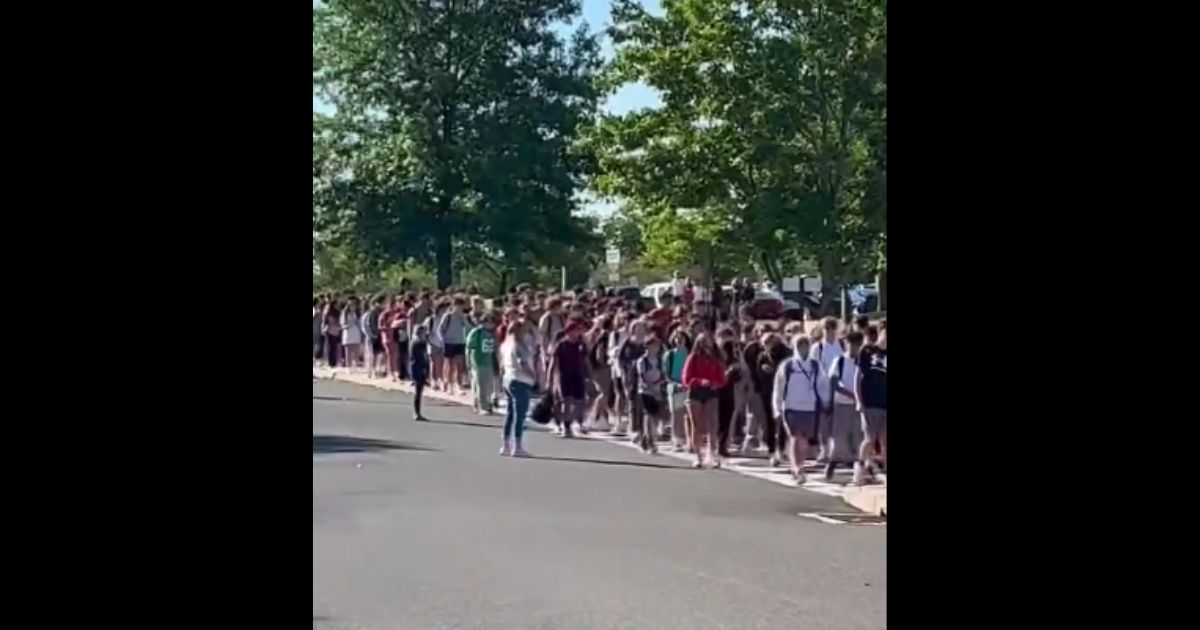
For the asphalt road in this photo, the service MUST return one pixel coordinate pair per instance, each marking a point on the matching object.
(423, 526)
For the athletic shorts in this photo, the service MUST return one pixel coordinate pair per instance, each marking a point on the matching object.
(801, 423)
(875, 423)
(651, 404)
(701, 394)
(455, 350)
(377, 345)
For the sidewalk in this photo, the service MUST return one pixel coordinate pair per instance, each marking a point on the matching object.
(870, 499)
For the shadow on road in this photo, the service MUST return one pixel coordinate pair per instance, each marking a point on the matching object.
(329, 444)
(428, 402)
(608, 462)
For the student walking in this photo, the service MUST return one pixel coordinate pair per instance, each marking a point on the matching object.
(419, 367)
(673, 362)
(517, 363)
(846, 434)
(797, 401)
(481, 354)
(825, 351)
(871, 393)
(651, 389)
(703, 375)
(568, 377)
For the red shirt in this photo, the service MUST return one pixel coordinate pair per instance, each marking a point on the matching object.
(702, 367)
(661, 316)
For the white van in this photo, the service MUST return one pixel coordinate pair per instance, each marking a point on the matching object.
(656, 292)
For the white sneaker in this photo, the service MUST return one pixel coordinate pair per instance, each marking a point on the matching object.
(801, 479)
(860, 478)
(519, 451)
(506, 449)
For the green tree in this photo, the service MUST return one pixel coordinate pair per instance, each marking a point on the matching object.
(772, 133)
(454, 128)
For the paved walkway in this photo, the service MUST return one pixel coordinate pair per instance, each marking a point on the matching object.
(421, 525)
(871, 499)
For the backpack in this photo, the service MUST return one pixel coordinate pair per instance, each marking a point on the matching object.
(787, 379)
(599, 352)
(371, 325)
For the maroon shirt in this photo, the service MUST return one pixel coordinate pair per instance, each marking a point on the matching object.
(569, 358)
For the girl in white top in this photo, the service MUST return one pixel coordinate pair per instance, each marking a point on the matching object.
(352, 334)
(518, 356)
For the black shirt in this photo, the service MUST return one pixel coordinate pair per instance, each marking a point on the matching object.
(769, 361)
(872, 365)
(750, 355)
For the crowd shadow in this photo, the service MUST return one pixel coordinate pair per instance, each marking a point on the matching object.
(427, 403)
(608, 462)
(331, 444)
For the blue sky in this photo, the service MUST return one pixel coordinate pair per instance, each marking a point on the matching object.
(629, 98)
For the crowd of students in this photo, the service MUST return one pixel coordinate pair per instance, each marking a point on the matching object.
(706, 381)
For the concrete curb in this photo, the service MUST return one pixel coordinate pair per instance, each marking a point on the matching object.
(869, 499)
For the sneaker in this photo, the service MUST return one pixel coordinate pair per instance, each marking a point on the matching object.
(718, 461)
(775, 461)
(520, 451)
(635, 437)
(800, 479)
(506, 449)
(699, 463)
(558, 430)
(860, 478)
(678, 447)
(829, 468)
(567, 433)
(583, 430)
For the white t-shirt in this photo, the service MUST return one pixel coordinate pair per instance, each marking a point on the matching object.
(677, 287)
(795, 378)
(849, 368)
(825, 353)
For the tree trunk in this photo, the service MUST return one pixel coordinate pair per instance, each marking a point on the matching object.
(831, 285)
(444, 255)
(503, 283)
(772, 269)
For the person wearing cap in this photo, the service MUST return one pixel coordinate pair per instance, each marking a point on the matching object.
(568, 376)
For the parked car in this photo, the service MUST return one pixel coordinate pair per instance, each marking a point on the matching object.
(656, 292)
(770, 304)
(633, 295)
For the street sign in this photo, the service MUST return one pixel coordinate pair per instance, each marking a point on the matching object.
(791, 285)
(613, 257)
(614, 276)
(812, 285)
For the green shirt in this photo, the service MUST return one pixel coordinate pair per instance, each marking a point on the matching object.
(481, 346)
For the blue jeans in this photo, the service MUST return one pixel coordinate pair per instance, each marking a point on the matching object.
(518, 408)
